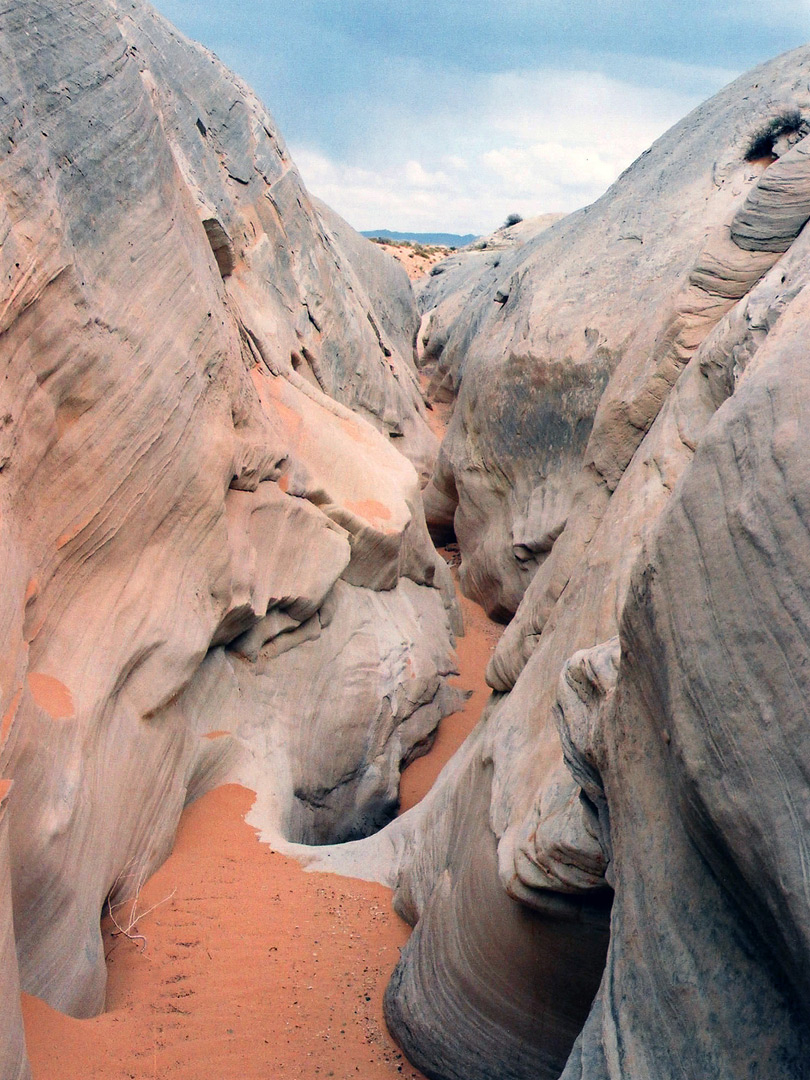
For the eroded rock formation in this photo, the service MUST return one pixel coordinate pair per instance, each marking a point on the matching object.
(208, 515)
(216, 561)
(655, 762)
(697, 757)
(733, 305)
(528, 331)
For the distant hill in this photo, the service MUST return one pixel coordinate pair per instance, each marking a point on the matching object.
(444, 239)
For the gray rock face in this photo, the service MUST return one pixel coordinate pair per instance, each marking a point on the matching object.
(205, 515)
(535, 331)
(698, 757)
(331, 709)
(386, 283)
(452, 284)
(646, 729)
(494, 970)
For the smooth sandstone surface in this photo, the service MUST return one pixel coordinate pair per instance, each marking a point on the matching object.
(247, 964)
(212, 445)
(698, 761)
(582, 788)
(210, 511)
(582, 321)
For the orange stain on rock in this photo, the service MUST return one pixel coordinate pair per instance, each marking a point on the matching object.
(284, 483)
(370, 509)
(5, 788)
(32, 591)
(215, 734)
(51, 695)
(73, 532)
(271, 394)
(8, 719)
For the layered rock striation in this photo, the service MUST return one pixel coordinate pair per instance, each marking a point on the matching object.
(697, 758)
(643, 742)
(528, 331)
(215, 559)
(217, 565)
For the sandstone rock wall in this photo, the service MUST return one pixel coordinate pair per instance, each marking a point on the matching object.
(211, 443)
(676, 787)
(685, 354)
(207, 511)
(698, 758)
(528, 336)
(445, 294)
(385, 280)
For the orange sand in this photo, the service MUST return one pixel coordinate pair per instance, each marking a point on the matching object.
(474, 650)
(417, 264)
(438, 413)
(252, 969)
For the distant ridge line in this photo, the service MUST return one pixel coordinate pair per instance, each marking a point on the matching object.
(445, 239)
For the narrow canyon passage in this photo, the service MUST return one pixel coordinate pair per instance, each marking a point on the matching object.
(225, 624)
(251, 966)
(474, 649)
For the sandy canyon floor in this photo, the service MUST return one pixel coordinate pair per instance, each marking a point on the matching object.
(416, 258)
(249, 967)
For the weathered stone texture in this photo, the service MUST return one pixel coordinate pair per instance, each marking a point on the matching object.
(645, 733)
(205, 426)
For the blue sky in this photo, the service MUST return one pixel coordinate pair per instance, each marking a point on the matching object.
(448, 115)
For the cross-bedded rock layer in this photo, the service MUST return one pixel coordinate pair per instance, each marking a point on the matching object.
(680, 300)
(215, 560)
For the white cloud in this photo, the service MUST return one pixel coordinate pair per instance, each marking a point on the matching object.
(417, 176)
(530, 142)
(418, 94)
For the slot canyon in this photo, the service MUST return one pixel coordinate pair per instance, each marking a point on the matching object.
(398, 678)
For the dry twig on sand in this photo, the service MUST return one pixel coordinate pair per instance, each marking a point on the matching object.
(130, 930)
